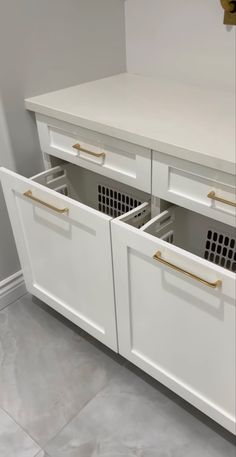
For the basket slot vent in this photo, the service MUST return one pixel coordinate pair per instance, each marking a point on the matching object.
(62, 190)
(168, 237)
(221, 250)
(115, 203)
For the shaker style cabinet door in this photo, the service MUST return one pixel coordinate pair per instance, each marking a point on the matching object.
(65, 251)
(179, 330)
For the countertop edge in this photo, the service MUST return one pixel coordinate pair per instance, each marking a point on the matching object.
(146, 142)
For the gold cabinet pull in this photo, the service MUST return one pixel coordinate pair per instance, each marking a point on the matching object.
(213, 285)
(95, 154)
(213, 196)
(29, 194)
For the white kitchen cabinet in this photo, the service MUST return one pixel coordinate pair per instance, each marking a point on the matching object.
(61, 223)
(95, 244)
(176, 310)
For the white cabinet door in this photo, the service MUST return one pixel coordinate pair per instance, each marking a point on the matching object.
(65, 253)
(180, 331)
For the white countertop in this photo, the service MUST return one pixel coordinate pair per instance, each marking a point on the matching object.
(185, 121)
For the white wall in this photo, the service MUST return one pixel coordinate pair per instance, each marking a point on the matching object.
(46, 45)
(184, 40)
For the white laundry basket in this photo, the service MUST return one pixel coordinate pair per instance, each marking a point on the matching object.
(198, 234)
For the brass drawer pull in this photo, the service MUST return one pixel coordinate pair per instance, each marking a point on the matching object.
(95, 154)
(29, 194)
(213, 285)
(213, 196)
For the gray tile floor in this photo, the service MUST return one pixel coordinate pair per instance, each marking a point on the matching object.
(64, 395)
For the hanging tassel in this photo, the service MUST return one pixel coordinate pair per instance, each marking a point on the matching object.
(230, 11)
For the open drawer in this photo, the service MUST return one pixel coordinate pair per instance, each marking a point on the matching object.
(61, 223)
(175, 301)
(117, 159)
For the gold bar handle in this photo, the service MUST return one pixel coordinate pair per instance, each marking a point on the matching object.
(213, 196)
(157, 256)
(29, 194)
(95, 154)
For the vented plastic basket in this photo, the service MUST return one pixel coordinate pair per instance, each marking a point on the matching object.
(198, 234)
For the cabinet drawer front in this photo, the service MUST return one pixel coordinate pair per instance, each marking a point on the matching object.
(62, 245)
(204, 190)
(100, 153)
(179, 330)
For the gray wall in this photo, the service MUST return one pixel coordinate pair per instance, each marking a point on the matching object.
(47, 45)
(8, 258)
(184, 40)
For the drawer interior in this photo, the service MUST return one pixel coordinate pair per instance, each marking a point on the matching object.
(200, 235)
(92, 189)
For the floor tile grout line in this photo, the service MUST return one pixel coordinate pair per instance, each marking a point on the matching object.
(81, 333)
(42, 447)
(21, 427)
(14, 301)
(77, 414)
(78, 330)
(120, 363)
(38, 453)
(29, 434)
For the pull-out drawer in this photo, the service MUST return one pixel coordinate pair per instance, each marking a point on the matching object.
(176, 311)
(207, 191)
(61, 223)
(117, 159)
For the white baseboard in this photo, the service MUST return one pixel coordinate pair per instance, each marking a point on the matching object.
(11, 289)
